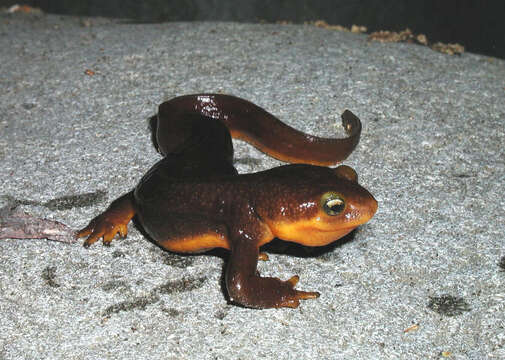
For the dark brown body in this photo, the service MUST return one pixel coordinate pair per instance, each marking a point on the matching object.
(194, 200)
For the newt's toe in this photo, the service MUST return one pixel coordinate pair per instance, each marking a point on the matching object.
(306, 295)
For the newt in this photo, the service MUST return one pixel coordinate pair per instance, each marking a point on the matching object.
(194, 200)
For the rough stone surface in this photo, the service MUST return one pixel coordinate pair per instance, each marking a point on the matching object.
(431, 152)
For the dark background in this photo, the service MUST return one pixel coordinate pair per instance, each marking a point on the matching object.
(476, 24)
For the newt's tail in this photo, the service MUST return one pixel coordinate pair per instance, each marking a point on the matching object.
(249, 122)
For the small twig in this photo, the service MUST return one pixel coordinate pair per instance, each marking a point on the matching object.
(16, 224)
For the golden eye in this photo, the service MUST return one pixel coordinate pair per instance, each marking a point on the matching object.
(332, 203)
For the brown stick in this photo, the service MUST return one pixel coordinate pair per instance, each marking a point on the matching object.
(16, 224)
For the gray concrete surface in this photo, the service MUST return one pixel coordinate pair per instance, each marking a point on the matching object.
(422, 280)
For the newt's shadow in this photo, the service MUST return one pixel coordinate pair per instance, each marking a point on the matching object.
(152, 124)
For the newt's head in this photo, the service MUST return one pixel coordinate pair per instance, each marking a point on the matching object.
(315, 206)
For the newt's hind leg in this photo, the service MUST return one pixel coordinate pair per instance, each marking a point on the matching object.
(112, 221)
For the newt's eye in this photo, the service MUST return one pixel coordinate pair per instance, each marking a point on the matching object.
(332, 203)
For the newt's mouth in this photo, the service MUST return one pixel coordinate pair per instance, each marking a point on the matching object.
(316, 237)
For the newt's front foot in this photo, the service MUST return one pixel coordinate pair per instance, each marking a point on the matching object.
(294, 296)
(111, 222)
(266, 292)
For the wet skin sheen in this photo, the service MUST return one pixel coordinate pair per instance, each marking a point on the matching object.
(194, 200)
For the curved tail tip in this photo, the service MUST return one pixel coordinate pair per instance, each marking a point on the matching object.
(350, 122)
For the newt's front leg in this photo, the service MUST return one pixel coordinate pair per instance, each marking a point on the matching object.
(246, 287)
(112, 221)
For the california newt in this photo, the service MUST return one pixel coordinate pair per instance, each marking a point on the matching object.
(194, 200)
